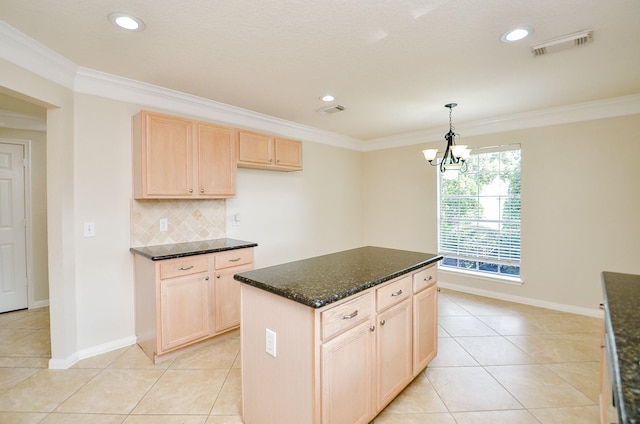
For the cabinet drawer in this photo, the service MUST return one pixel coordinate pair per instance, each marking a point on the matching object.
(424, 278)
(233, 258)
(393, 293)
(345, 315)
(178, 267)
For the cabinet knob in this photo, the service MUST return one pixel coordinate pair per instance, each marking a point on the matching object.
(206, 278)
(218, 276)
(201, 190)
(278, 161)
(190, 190)
(270, 160)
(383, 322)
(372, 328)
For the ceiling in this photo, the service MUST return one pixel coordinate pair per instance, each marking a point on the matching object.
(392, 64)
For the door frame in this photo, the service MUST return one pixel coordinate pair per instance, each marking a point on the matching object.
(26, 145)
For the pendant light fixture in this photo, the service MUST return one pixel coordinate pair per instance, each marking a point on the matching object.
(455, 156)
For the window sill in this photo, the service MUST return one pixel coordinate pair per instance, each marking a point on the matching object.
(515, 281)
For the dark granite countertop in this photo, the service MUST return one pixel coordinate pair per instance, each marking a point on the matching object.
(178, 250)
(322, 280)
(622, 321)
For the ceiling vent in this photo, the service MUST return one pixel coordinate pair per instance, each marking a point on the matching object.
(561, 43)
(330, 109)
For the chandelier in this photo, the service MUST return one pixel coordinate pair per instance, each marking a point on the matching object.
(455, 156)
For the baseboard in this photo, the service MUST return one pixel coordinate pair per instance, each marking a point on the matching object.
(524, 300)
(91, 352)
(39, 304)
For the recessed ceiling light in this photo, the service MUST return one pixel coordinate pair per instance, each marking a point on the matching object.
(327, 98)
(516, 34)
(127, 22)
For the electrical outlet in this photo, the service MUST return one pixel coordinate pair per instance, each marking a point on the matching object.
(271, 342)
(164, 224)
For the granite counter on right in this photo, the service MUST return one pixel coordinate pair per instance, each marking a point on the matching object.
(620, 382)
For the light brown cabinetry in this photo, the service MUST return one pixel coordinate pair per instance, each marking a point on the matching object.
(185, 300)
(393, 340)
(608, 411)
(347, 376)
(425, 322)
(358, 353)
(179, 158)
(263, 151)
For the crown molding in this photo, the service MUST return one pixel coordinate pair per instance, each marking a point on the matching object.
(25, 52)
(588, 111)
(89, 81)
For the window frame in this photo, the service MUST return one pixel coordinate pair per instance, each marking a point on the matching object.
(488, 275)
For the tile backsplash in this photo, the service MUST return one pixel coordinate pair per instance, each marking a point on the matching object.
(189, 220)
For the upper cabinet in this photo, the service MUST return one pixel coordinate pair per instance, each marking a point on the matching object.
(267, 152)
(179, 158)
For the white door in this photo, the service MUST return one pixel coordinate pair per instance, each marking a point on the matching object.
(13, 265)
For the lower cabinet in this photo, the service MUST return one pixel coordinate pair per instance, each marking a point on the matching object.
(394, 363)
(347, 376)
(184, 310)
(425, 328)
(185, 300)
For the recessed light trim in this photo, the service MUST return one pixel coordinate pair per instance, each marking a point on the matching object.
(126, 21)
(327, 98)
(516, 34)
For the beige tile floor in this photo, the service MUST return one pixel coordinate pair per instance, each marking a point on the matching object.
(498, 362)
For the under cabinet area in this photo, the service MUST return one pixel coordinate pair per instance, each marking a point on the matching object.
(263, 151)
(180, 158)
(185, 300)
(358, 354)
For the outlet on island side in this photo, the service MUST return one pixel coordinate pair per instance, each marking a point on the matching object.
(271, 342)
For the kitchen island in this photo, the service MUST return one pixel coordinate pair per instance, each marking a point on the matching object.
(335, 338)
(621, 349)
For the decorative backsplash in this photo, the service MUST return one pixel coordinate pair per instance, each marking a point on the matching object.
(189, 220)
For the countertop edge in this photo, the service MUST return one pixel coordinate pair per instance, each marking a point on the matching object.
(319, 303)
(139, 251)
(626, 407)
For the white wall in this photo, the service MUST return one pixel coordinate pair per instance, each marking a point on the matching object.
(103, 187)
(301, 214)
(580, 207)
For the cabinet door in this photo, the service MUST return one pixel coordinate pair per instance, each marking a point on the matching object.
(167, 156)
(288, 153)
(394, 359)
(226, 295)
(425, 328)
(255, 149)
(184, 310)
(347, 377)
(216, 147)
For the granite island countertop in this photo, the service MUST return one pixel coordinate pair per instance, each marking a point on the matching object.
(322, 280)
(179, 250)
(622, 321)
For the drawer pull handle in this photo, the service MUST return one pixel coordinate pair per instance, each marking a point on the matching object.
(429, 279)
(352, 315)
(234, 260)
(398, 293)
(185, 268)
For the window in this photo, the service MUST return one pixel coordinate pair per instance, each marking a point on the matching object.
(479, 213)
